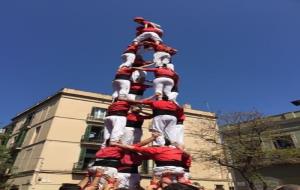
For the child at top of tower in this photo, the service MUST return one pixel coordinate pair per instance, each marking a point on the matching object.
(148, 30)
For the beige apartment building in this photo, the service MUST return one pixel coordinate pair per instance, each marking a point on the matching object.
(54, 140)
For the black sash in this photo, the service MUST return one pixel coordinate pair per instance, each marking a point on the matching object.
(107, 162)
(122, 76)
(164, 112)
(134, 124)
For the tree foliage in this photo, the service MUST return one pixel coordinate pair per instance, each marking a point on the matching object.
(239, 144)
(5, 160)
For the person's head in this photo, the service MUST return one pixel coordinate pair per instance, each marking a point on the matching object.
(288, 187)
(179, 186)
(69, 186)
(138, 19)
(165, 181)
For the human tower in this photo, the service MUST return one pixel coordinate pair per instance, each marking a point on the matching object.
(123, 151)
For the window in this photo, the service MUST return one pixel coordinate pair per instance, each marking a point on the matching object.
(219, 187)
(145, 167)
(89, 157)
(28, 119)
(94, 134)
(98, 113)
(35, 135)
(282, 142)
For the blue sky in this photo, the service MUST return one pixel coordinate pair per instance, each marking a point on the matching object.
(234, 54)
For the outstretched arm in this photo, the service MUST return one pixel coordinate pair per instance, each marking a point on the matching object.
(147, 65)
(124, 146)
(149, 140)
(143, 143)
(130, 101)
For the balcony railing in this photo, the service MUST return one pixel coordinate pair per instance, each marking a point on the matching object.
(95, 118)
(78, 166)
(91, 141)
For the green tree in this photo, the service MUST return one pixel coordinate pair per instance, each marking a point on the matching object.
(238, 144)
(5, 160)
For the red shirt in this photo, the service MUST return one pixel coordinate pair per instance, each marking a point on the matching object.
(110, 152)
(133, 116)
(131, 49)
(136, 120)
(149, 27)
(180, 115)
(118, 106)
(164, 48)
(187, 160)
(162, 105)
(138, 88)
(124, 73)
(162, 153)
(162, 72)
(132, 159)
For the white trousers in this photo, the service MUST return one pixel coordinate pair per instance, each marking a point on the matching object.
(121, 88)
(173, 96)
(134, 97)
(127, 59)
(163, 85)
(146, 35)
(164, 124)
(177, 134)
(131, 135)
(158, 171)
(160, 58)
(114, 127)
(136, 75)
(128, 180)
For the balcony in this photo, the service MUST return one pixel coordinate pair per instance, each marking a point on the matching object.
(88, 140)
(78, 167)
(97, 119)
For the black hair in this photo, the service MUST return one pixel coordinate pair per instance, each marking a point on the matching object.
(165, 97)
(167, 142)
(179, 186)
(107, 143)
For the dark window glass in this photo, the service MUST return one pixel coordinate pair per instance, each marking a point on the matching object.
(283, 142)
(96, 134)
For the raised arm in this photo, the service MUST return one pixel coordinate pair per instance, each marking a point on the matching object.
(145, 69)
(130, 101)
(150, 139)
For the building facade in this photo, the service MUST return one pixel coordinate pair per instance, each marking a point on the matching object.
(284, 135)
(54, 140)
